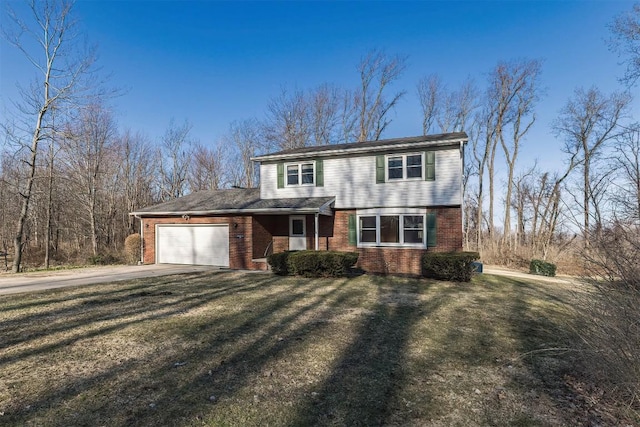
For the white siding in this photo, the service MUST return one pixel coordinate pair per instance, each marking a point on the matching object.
(352, 180)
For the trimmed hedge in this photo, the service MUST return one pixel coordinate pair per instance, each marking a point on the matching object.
(453, 266)
(542, 268)
(279, 263)
(312, 263)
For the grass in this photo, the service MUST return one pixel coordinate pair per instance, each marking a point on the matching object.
(233, 348)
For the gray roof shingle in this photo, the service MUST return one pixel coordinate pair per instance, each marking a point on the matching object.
(435, 140)
(235, 200)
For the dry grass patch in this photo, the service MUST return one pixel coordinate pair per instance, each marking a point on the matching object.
(233, 348)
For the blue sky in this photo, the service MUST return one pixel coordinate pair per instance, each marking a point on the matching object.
(215, 62)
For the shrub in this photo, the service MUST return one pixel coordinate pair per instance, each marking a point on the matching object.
(453, 266)
(322, 263)
(542, 268)
(132, 248)
(610, 327)
(312, 263)
(103, 259)
(279, 263)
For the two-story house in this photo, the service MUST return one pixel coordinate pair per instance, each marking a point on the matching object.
(389, 200)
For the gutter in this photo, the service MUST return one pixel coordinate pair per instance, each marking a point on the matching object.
(323, 210)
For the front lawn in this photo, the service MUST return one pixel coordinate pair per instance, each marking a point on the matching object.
(244, 349)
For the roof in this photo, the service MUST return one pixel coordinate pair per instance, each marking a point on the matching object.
(438, 140)
(236, 200)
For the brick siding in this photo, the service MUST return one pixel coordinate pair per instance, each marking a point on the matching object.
(399, 260)
(249, 237)
(240, 238)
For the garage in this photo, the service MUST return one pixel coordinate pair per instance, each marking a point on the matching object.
(193, 244)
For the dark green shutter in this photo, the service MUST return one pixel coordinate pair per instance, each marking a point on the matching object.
(430, 165)
(379, 169)
(280, 175)
(352, 230)
(319, 174)
(431, 230)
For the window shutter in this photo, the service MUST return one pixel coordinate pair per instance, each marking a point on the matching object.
(429, 165)
(352, 230)
(319, 174)
(431, 230)
(379, 169)
(280, 175)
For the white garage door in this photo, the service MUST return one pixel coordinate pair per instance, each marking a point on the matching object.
(193, 244)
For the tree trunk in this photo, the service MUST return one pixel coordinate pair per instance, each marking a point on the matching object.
(47, 247)
(26, 196)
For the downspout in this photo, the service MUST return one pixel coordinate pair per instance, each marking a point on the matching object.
(462, 214)
(317, 234)
(141, 240)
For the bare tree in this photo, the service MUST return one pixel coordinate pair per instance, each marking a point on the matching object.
(60, 69)
(626, 163)
(206, 171)
(86, 148)
(245, 137)
(429, 91)
(287, 124)
(137, 169)
(588, 123)
(626, 42)
(324, 109)
(517, 85)
(377, 72)
(174, 158)
(449, 110)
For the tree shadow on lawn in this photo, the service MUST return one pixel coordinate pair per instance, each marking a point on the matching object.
(121, 308)
(364, 385)
(52, 296)
(142, 381)
(220, 345)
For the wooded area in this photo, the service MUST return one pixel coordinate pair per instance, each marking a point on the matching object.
(69, 174)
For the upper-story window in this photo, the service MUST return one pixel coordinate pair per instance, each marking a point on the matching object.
(398, 167)
(303, 173)
(300, 174)
(404, 166)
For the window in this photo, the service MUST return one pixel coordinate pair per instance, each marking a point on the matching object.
(392, 230)
(413, 229)
(406, 166)
(389, 229)
(292, 175)
(368, 229)
(394, 168)
(307, 173)
(297, 227)
(300, 174)
(414, 166)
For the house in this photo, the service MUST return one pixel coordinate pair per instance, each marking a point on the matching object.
(390, 200)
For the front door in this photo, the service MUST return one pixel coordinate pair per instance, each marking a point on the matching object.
(297, 233)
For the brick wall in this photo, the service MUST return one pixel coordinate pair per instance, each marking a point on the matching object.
(240, 238)
(249, 237)
(448, 229)
(399, 260)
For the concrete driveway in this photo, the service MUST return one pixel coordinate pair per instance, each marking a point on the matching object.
(37, 281)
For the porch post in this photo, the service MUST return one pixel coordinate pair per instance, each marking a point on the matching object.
(317, 234)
